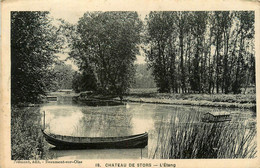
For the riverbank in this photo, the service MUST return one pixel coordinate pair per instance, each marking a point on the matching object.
(26, 137)
(247, 101)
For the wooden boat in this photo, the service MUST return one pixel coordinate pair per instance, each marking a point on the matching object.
(70, 142)
(216, 117)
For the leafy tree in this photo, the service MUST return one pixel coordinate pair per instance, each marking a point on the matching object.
(63, 76)
(159, 31)
(105, 49)
(203, 52)
(83, 82)
(183, 27)
(245, 35)
(34, 41)
(198, 30)
(143, 77)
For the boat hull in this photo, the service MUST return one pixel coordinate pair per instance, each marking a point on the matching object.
(135, 141)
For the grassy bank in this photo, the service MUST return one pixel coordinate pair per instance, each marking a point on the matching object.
(189, 139)
(26, 138)
(210, 100)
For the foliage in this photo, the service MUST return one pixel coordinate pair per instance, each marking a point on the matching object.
(105, 49)
(26, 136)
(186, 138)
(63, 76)
(34, 40)
(201, 52)
(143, 77)
(84, 81)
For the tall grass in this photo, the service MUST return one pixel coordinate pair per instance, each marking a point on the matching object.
(26, 137)
(184, 137)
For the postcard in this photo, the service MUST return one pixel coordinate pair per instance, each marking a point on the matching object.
(112, 83)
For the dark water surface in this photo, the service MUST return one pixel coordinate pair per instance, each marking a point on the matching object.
(65, 117)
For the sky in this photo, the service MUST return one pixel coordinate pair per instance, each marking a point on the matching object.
(72, 16)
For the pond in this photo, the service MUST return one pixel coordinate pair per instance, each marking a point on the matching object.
(65, 117)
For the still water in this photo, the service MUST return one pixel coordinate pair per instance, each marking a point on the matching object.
(64, 117)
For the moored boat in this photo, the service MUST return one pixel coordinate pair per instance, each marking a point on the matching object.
(71, 142)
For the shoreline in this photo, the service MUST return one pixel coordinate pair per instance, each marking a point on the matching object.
(203, 100)
(203, 103)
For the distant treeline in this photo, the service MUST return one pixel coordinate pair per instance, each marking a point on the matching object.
(202, 52)
(143, 77)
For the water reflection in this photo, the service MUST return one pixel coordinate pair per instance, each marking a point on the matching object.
(105, 122)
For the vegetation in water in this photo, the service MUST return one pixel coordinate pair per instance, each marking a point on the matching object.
(27, 140)
(185, 137)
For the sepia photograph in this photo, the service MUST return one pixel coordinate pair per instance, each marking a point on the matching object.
(142, 85)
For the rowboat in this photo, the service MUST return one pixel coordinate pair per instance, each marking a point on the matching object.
(71, 142)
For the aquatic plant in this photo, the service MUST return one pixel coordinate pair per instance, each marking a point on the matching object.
(186, 138)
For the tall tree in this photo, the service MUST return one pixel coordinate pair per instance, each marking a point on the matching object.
(245, 33)
(201, 51)
(106, 49)
(159, 32)
(183, 26)
(198, 30)
(34, 41)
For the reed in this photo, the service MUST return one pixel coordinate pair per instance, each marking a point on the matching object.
(184, 137)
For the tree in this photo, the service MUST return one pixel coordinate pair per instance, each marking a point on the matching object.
(198, 30)
(183, 26)
(63, 76)
(34, 41)
(106, 48)
(159, 33)
(143, 77)
(245, 35)
(203, 52)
